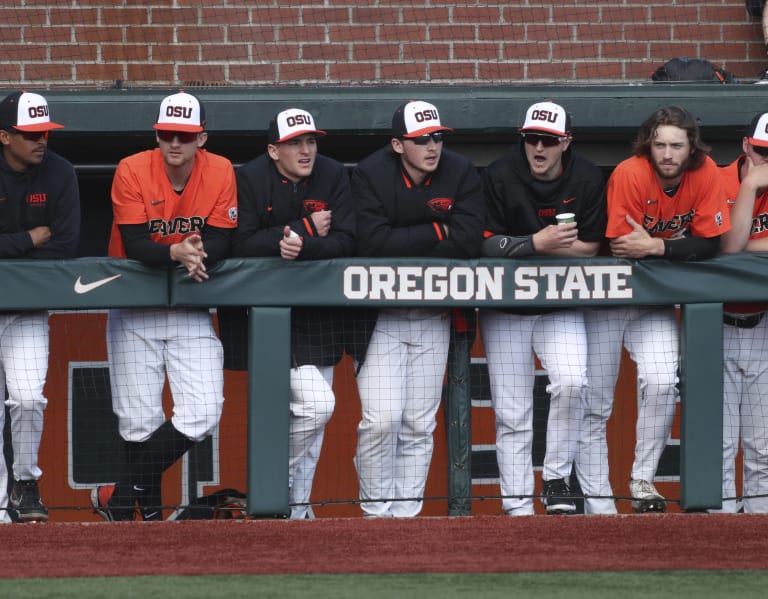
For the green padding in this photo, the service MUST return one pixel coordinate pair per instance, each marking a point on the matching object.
(268, 411)
(701, 409)
(531, 283)
(82, 283)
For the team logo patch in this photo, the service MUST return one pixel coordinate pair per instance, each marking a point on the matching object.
(233, 214)
(719, 219)
(312, 206)
(440, 205)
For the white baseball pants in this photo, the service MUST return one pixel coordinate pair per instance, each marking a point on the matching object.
(745, 412)
(652, 337)
(400, 385)
(146, 344)
(510, 340)
(312, 403)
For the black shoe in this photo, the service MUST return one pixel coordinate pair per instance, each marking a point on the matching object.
(556, 497)
(25, 501)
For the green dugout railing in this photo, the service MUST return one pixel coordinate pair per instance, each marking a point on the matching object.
(271, 286)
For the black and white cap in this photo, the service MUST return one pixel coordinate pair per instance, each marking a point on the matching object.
(181, 112)
(758, 130)
(25, 111)
(291, 123)
(416, 118)
(547, 118)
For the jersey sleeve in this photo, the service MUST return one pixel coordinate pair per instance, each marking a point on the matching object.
(127, 201)
(625, 195)
(224, 211)
(711, 215)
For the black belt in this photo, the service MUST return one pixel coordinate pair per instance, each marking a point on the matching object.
(745, 322)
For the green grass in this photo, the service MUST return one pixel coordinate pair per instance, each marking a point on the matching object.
(550, 585)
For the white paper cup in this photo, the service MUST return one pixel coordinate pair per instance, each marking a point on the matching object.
(565, 217)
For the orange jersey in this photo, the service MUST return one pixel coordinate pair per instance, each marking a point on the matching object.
(731, 178)
(696, 209)
(142, 193)
(731, 183)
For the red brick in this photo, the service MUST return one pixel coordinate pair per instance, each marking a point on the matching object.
(377, 52)
(124, 52)
(50, 72)
(149, 73)
(251, 33)
(151, 34)
(99, 72)
(175, 52)
(475, 14)
(325, 16)
(212, 34)
(17, 17)
(329, 52)
(428, 51)
(352, 33)
(224, 16)
(469, 51)
(505, 71)
(386, 16)
(403, 33)
(85, 52)
(353, 71)
(125, 17)
(202, 74)
(500, 32)
(252, 73)
(453, 70)
(73, 16)
(301, 34)
(226, 52)
(173, 16)
(399, 71)
(99, 35)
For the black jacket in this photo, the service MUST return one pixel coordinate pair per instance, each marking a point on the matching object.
(46, 194)
(518, 204)
(267, 202)
(399, 218)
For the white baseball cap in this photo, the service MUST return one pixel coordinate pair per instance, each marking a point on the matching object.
(291, 123)
(26, 111)
(181, 112)
(548, 118)
(758, 130)
(416, 118)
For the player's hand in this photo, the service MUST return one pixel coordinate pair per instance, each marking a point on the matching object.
(40, 235)
(555, 237)
(756, 176)
(291, 244)
(637, 244)
(322, 221)
(190, 253)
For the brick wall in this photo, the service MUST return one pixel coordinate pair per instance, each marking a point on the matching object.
(102, 43)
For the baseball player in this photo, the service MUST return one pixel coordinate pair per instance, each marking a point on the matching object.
(174, 205)
(39, 218)
(524, 192)
(414, 198)
(296, 204)
(666, 201)
(745, 330)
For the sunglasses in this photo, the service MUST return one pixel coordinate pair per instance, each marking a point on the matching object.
(185, 137)
(761, 150)
(423, 140)
(30, 135)
(548, 141)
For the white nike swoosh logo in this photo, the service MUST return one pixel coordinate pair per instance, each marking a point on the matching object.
(81, 287)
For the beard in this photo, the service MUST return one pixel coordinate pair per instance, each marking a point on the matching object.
(670, 173)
